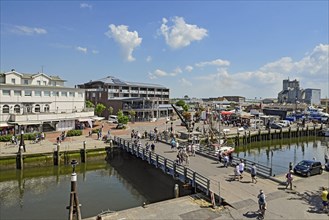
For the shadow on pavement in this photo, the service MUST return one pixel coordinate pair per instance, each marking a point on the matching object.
(251, 214)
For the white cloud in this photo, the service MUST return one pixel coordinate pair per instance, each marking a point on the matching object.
(85, 5)
(82, 49)
(217, 62)
(157, 73)
(148, 59)
(176, 71)
(126, 39)
(185, 83)
(189, 68)
(181, 34)
(24, 30)
(311, 71)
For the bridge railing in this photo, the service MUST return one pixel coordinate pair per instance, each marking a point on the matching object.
(262, 170)
(184, 174)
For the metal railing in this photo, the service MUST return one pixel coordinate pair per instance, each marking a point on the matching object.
(184, 174)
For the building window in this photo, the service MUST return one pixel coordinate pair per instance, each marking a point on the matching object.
(45, 83)
(17, 93)
(26, 82)
(64, 94)
(6, 92)
(13, 81)
(71, 94)
(39, 82)
(28, 93)
(93, 94)
(37, 93)
(46, 108)
(80, 94)
(17, 109)
(100, 95)
(37, 108)
(5, 109)
(46, 93)
(55, 93)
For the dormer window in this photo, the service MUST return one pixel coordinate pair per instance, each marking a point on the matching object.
(26, 82)
(13, 81)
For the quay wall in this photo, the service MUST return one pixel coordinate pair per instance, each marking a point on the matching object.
(49, 159)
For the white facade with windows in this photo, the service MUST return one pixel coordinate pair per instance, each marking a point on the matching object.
(39, 99)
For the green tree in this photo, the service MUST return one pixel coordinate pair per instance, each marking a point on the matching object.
(132, 114)
(182, 104)
(99, 109)
(89, 104)
(110, 109)
(122, 118)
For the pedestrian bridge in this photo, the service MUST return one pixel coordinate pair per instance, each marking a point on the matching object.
(205, 174)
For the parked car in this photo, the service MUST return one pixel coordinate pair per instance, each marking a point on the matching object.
(284, 123)
(326, 166)
(308, 168)
(113, 119)
(275, 126)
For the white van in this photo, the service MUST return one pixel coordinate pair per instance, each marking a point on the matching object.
(113, 119)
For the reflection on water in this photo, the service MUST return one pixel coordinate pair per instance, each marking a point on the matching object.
(279, 153)
(33, 196)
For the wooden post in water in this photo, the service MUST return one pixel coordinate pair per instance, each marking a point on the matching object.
(19, 159)
(84, 153)
(74, 207)
(57, 155)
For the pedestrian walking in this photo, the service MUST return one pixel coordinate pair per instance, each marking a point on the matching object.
(262, 201)
(253, 172)
(237, 174)
(326, 158)
(289, 179)
(241, 167)
(226, 160)
(152, 147)
(219, 157)
(324, 197)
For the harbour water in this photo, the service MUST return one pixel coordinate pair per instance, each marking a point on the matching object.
(279, 153)
(43, 193)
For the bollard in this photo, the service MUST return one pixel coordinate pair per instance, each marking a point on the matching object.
(290, 166)
(176, 191)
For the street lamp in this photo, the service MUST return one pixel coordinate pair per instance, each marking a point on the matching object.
(171, 127)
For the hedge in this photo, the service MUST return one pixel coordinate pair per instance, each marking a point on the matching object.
(73, 133)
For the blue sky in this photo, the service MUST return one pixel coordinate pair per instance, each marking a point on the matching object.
(195, 48)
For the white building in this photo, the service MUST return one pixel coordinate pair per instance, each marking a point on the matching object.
(40, 102)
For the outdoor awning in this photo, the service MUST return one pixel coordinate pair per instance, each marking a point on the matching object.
(98, 118)
(5, 124)
(27, 122)
(84, 119)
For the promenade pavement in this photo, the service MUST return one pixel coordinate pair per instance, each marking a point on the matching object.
(303, 202)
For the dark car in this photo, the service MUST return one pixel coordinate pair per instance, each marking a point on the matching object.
(308, 168)
(275, 126)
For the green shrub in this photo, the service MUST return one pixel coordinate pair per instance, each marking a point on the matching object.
(5, 138)
(74, 133)
(95, 131)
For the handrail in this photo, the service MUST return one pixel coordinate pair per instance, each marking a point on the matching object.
(169, 166)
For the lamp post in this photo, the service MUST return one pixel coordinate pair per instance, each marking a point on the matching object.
(74, 207)
(171, 127)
